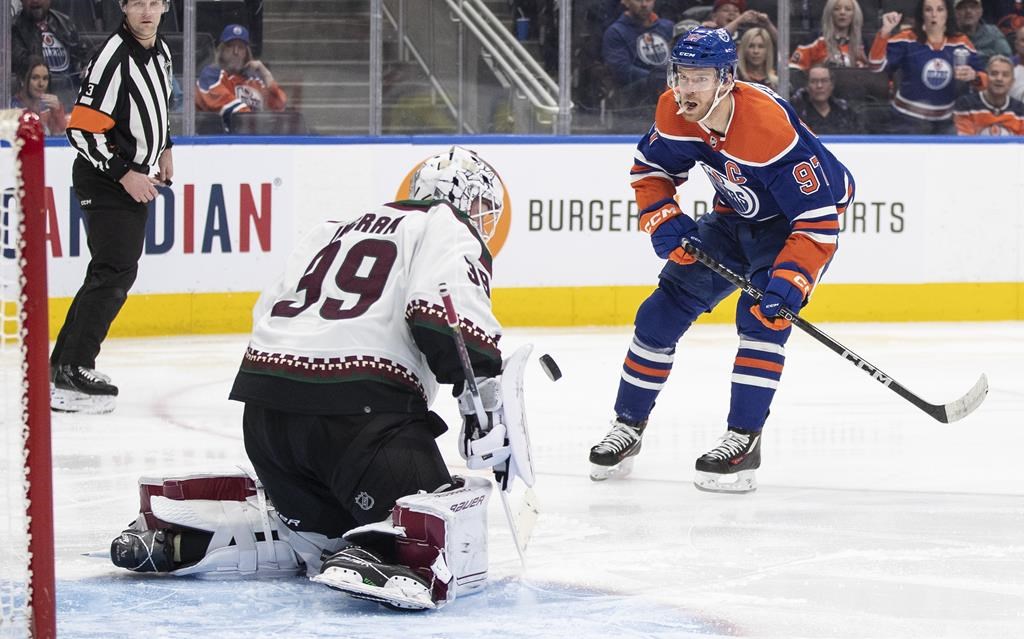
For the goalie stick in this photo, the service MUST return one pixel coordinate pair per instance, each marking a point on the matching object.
(945, 413)
(520, 522)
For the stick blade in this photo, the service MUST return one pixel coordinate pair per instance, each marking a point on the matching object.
(958, 409)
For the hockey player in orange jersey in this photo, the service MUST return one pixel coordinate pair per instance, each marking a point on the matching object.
(779, 193)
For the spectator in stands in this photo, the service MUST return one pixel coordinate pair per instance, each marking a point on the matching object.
(237, 83)
(991, 111)
(35, 96)
(51, 35)
(1018, 70)
(931, 73)
(986, 38)
(841, 43)
(635, 50)
(734, 17)
(820, 110)
(1007, 15)
(757, 58)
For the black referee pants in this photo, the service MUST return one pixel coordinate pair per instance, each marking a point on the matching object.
(115, 226)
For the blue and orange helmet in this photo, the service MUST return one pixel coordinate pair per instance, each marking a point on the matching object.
(704, 47)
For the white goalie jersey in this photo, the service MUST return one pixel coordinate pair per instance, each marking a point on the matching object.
(356, 323)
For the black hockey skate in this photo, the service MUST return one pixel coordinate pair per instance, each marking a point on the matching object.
(362, 574)
(143, 550)
(613, 455)
(729, 467)
(76, 389)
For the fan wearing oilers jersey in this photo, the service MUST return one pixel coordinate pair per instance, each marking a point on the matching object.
(936, 63)
(779, 193)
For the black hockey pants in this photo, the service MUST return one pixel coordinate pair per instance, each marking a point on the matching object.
(116, 230)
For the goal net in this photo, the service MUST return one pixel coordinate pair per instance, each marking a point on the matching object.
(27, 594)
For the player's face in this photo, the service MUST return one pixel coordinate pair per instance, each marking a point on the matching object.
(935, 14)
(695, 91)
(485, 215)
(1000, 79)
(842, 14)
(38, 82)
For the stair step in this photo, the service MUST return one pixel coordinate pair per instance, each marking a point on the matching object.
(296, 28)
(321, 6)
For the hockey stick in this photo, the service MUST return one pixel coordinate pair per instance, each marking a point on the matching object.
(520, 524)
(945, 413)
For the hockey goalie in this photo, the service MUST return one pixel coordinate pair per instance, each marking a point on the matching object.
(345, 358)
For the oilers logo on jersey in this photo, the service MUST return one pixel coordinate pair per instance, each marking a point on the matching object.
(741, 199)
(936, 74)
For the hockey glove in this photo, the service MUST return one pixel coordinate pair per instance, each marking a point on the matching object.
(667, 227)
(787, 289)
(483, 445)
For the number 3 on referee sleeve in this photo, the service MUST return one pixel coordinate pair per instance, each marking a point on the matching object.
(804, 175)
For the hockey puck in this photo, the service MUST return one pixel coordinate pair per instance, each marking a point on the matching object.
(550, 368)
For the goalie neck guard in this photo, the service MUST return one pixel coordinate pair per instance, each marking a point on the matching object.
(463, 179)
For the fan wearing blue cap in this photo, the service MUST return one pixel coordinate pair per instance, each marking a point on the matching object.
(237, 82)
(775, 220)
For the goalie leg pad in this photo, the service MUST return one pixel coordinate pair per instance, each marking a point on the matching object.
(231, 507)
(245, 538)
(440, 542)
(445, 536)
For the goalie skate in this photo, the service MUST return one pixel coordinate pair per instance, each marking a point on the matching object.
(361, 574)
(614, 455)
(730, 466)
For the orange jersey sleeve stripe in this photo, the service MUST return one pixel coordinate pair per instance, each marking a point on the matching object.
(749, 362)
(90, 120)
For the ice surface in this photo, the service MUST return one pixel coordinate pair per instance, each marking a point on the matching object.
(872, 519)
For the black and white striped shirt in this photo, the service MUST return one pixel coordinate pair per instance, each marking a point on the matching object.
(119, 122)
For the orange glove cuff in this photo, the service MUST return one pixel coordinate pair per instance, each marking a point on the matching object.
(775, 323)
(654, 219)
(796, 278)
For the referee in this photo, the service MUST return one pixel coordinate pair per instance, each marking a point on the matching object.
(119, 128)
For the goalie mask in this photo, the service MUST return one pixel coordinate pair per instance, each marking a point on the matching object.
(459, 176)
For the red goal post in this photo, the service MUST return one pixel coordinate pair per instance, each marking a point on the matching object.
(27, 588)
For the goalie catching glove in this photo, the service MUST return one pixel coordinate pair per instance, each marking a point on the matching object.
(503, 442)
(483, 445)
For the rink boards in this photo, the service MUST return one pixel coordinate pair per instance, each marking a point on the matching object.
(936, 232)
